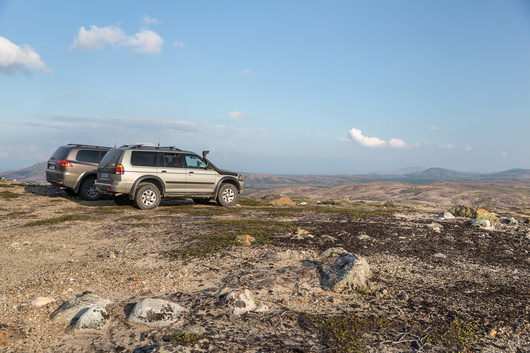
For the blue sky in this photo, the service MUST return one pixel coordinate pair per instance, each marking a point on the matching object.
(290, 87)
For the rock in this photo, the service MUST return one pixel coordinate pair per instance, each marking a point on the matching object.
(403, 296)
(482, 223)
(436, 227)
(239, 302)
(279, 201)
(363, 237)
(492, 332)
(527, 260)
(510, 221)
(155, 312)
(332, 252)
(246, 239)
(41, 301)
(283, 255)
(445, 215)
(301, 234)
(472, 212)
(303, 203)
(91, 319)
(262, 308)
(71, 308)
(347, 272)
(9, 335)
(440, 256)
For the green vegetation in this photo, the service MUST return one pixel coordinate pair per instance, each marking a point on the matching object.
(4, 185)
(249, 201)
(226, 233)
(464, 334)
(9, 195)
(137, 217)
(199, 210)
(57, 220)
(185, 339)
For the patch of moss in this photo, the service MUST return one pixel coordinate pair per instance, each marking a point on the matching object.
(185, 339)
(249, 201)
(4, 185)
(463, 334)
(9, 195)
(57, 220)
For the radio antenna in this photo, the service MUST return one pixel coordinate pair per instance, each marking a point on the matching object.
(159, 130)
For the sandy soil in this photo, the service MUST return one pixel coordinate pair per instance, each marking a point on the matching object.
(461, 289)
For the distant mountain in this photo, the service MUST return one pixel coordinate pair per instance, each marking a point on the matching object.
(441, 174)
(509, 175)
(36, 173)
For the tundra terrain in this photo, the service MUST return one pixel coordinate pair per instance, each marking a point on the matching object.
(436, 284)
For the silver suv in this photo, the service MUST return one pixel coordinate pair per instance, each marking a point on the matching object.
(143, 175)
(73, 168)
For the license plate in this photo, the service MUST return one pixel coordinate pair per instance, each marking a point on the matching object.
(104, 175)
(51, 166)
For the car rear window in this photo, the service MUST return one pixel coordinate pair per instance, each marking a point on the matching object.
(92, 156)
(60, 153)
(144, 159)
(111, 158)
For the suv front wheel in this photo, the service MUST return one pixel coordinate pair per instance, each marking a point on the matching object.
(227, 195)
(147, 197)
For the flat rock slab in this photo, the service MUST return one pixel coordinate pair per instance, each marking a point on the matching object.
(155, 312)
(91, 319)
(69, 309)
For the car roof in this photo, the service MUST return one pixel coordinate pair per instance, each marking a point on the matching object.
(154, 148)
(74, 145)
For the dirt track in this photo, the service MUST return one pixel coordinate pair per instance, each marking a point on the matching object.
(460, 289)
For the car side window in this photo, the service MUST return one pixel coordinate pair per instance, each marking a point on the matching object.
(88, 156)
(195, 162)
(173, 160)
(144, 159)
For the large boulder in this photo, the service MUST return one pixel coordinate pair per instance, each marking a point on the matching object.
(481, 223)
(341, 270)
(155, 312)
(69, 309)
(91, 319)
(239, 302)
(472, 212)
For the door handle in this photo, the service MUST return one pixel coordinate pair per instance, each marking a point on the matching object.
(163, 171)
(190, 172)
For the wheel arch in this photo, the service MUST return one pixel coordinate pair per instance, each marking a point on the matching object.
(225, 180)
(147, 179)
(83, 177)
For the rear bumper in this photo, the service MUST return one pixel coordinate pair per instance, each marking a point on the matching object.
(110, 187)
(61, 178)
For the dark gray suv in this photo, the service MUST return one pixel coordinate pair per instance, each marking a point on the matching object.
(143, 175)
(74, 167)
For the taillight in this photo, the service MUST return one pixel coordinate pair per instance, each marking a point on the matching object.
(64, 163)
(119, 169)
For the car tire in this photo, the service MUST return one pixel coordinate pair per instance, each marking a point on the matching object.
(88, 191)
(201, 200)
(227, 195)
(122, 200)
(147, 197)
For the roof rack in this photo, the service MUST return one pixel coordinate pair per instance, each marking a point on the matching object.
(83, 145)
(173, 148)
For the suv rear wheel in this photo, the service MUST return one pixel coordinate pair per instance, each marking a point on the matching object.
(88, 191)
(227, 195)
(147, 197)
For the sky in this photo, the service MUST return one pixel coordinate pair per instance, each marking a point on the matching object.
(284, 87)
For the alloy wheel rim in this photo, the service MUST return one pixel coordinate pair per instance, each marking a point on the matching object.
(91, 190)
(228, 195)
(148, 197)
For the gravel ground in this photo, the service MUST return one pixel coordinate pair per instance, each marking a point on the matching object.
(460, 289)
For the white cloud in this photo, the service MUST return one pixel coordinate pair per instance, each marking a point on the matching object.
(145, 41)
(15, 58)
(148, 20)
(434, 128)
(357, 135)
(236, 115)
(448, 146)
(468, 147)
(504, 154)
(246, 72)
(397, 143)
(179, 44)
